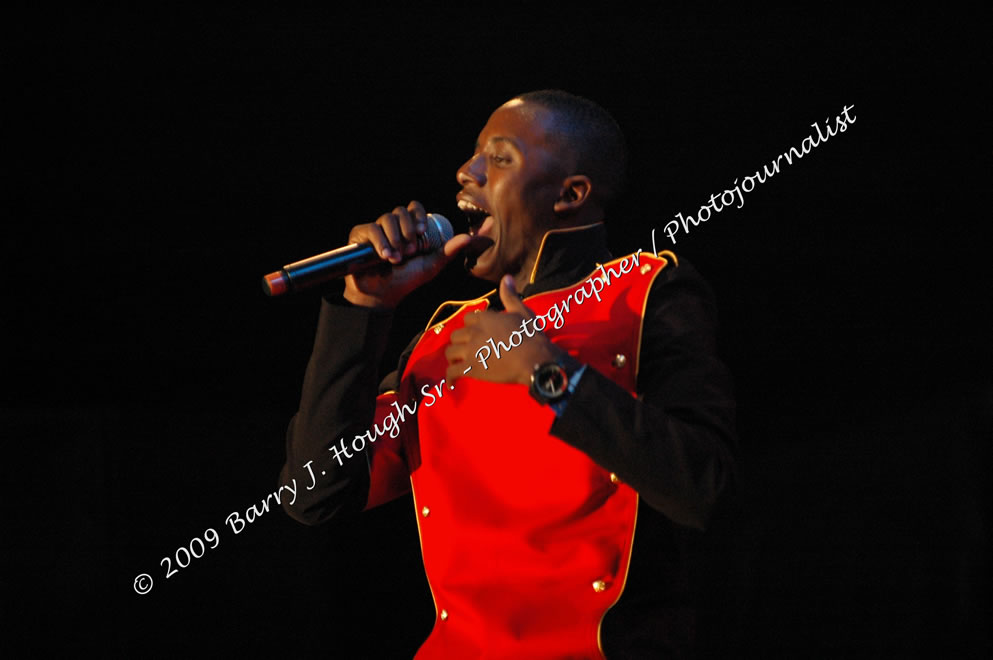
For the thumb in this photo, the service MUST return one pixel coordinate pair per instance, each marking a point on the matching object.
(511, 299)
(433, 262)
(455, 245)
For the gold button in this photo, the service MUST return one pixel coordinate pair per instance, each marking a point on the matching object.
(619, 361)
(425, 511)
(646, 268)
(599, 585)
(444, 615)
(613, 480)
(437, 328)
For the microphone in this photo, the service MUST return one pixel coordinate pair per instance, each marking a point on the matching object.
(350, 259)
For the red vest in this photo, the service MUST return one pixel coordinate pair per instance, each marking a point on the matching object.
(526, 541)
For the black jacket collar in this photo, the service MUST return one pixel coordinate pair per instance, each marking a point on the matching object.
(566, 256)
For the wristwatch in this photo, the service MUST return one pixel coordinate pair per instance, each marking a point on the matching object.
(551, 382)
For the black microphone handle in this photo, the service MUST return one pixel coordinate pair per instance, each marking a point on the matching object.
(322, 268)
(346, 260)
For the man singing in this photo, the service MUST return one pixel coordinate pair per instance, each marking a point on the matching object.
(556, 485)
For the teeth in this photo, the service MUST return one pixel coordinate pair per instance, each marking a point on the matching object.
(469, 206)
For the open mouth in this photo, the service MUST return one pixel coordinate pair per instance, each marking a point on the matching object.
(480, 225)
(475, 215)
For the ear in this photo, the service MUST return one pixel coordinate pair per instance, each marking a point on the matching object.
(575, 194)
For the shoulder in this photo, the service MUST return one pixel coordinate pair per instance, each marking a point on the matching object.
(681, 304)
(679, 276)
(659, 276)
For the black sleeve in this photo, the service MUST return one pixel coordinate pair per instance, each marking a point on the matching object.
(674, 443)
(338, 400)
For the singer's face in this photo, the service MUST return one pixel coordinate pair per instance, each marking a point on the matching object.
(509, 189)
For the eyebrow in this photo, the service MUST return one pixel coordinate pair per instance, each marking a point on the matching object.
(498, 139)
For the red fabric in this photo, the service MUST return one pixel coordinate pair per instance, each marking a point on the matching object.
(388, 472)
(519, 524)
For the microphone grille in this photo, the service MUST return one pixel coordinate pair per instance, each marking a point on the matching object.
(439, 231)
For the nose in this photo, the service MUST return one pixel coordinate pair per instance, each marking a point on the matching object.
(472, 171)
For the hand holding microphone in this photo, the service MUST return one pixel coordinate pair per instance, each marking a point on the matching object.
(417, 244)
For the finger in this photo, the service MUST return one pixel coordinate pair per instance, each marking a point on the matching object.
(472, 319)
(455, 353)
(419, 215)
(435, 261)
(460, 336)
(390, 222)
(390, 228)
(456, 244)
(512, 300)
(374, 235)
(408, 228)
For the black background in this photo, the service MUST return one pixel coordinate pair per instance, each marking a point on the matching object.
(161, 161)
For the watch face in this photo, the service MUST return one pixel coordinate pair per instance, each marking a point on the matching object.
(551, 380)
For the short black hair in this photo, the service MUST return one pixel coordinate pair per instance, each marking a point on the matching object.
(594, 136)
